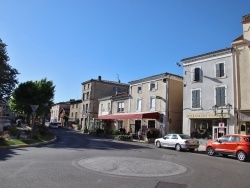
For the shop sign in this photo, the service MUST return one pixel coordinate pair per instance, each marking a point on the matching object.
(198, 116)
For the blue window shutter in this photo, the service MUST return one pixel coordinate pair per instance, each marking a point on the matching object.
(193, 99)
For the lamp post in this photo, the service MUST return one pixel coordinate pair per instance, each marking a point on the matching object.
(221, 112)
(34, 108)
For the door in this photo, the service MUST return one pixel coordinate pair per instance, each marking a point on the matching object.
(233, 144)
(165, 142)
(137, 125)
(218, 132)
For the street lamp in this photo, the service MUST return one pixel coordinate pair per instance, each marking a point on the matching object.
(34, 108)
(221, 114)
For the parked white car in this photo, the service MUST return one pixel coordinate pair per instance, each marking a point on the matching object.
(177, 141)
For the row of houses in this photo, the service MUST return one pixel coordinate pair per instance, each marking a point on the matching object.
(211, 99)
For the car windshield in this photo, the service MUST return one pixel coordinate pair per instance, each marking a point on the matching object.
(183, 136)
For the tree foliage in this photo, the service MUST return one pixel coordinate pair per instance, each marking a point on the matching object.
(33, 93)
(8, 74)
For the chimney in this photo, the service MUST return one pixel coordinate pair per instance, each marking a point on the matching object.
(99, 78)
(246, 25)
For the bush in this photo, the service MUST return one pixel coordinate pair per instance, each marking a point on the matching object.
(124, 137)
(115, 132)
(99, 131)
(155, 133)
(13, 131)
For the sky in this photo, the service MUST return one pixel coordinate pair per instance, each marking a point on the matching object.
(72, 41)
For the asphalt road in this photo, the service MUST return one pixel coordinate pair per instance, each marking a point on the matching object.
(81, 160)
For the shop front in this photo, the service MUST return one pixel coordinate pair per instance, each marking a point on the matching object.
(208, 126)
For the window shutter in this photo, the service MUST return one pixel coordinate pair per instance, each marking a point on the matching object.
(218, 96)
(223, 96)
(217, 70)
(198, 92)
(193, 99)
(156, 85)
(149, 84)
(221, 69)
(197, 74)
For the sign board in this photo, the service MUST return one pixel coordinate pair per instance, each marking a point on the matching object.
(221, 124)
(36, 120)
(221, 130)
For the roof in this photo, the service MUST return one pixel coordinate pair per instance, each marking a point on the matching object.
(104, 81)
(208, 55)
(154, 77)
(238, 38)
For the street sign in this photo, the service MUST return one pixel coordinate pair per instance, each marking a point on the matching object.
(36, 120)
(221, 124)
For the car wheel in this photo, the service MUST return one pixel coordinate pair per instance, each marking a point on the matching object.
(241, 156)
(158, 144)
(178, 147)
(210, 151)
(192, 150)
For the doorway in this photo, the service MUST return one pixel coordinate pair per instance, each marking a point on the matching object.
(218, 132)
(137, 125)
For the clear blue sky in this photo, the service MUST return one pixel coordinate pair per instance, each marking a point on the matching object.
(72, 41)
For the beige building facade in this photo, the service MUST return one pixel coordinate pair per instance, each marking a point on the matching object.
(92, 90)
(153, 102)
(241, 60)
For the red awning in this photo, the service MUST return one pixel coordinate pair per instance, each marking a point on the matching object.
(142, 115)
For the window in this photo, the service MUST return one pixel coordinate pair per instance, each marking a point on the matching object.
(76, 105)
(220, 70)
(116, 90)
(196, 98)
(120, 107)
(72, 105)
(83, 108)
(174, 136)
(72, 114)
(138, 104)
(139, 89)
(75, 114)
(224, 139)
(220, 96)
(83, 96)
(109, 107)
(87, 95)
(88, 86)
(152, 86)
(87, 108)
(196, 74)
(152, 103)
(102, 108)
(235, 138)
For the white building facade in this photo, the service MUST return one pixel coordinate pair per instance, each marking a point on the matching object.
(208, 95)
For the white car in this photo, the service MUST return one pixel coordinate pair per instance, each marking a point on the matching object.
(177, 141)
(53, 125)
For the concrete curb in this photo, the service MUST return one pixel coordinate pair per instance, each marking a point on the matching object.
(29, 145)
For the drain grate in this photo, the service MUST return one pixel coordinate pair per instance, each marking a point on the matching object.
(170, 185)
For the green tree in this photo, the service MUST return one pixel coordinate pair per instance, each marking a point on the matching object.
(8, 79)
(33, 93)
